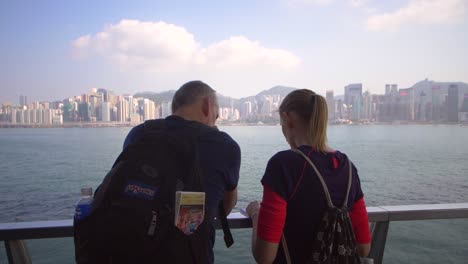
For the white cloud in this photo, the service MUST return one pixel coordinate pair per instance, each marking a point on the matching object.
(308, 2)
(163, 47)
(420, 12)
(240, 51)
(358, 3)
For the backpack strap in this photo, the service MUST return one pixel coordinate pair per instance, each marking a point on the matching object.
(322, 181)
(287, 256)
(324, 185)
(350, 177)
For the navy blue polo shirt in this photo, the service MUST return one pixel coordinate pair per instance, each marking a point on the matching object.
(219, 157)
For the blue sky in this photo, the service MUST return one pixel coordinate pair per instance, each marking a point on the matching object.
(51, 50)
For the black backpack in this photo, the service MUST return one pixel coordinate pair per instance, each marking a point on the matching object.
(335, 241)
(132, 217)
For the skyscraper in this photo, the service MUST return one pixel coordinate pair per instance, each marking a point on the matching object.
(436, 103)
(367, 112)
(331, 105)
(84, 112)
(131, 104)
(166, 109)
(452, 103)
(13, 116)
(149, 110)
(463, 114)
(247, 109)
(23, 100)
(353, 100)
(122, 110)
(406, 104)
(106, 111)
(391, 89)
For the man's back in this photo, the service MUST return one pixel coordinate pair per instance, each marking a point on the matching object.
(219, 160)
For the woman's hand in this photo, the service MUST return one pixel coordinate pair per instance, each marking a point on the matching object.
(253, 208)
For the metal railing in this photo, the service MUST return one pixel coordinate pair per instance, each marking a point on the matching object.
(14, 233)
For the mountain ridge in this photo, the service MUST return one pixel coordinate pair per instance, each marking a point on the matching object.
(224, 101)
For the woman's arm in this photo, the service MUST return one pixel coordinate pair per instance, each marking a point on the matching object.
(267, 225)
(263, 251)
(360, 221)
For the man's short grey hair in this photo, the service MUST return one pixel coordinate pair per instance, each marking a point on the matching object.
(190, 92)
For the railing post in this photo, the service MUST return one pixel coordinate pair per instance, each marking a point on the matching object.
(379, 237)
(17, 252)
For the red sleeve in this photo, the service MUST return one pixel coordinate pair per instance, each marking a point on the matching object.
(360, 220)
(272, 216)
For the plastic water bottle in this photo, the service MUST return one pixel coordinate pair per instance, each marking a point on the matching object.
(84, 205)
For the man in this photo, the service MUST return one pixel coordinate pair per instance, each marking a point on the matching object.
(196, 104)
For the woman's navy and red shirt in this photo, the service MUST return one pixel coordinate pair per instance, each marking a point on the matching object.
(294, 199)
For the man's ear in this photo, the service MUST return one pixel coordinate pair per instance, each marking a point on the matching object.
(206, 106)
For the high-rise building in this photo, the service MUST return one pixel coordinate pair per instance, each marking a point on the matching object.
(32, 116)
(13, 116)
(463, 114)
(236, 115)
(330, 105)
(84, 112)
(48, 116)
(405, 106)
(57, 119)
(339, 109)
(69, 110)
(122, 110)
(39, 116)
(391, 89)
(267, 106)
(452, 103)
(114, 113)
(247, 109)
(149, 110)
(85, 98)
(131, 104)
(421, 104)
(367, 111)
(353, 100)
(23, 100)
(436, 103)
(21, 116)
(166, 109)
(95, 101)
(104, 94)
(111, 97)
(106, 111)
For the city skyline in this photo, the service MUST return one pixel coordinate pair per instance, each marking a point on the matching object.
(323, 92)
(236, 47)
(426, 101)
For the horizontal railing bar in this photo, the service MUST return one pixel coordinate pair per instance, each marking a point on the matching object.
(377, 214)
(64, 228)
(427, 211)
(36, 230)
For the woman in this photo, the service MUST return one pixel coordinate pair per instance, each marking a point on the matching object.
(293, 197)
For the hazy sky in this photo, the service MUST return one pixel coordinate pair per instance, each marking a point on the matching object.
(55, 49)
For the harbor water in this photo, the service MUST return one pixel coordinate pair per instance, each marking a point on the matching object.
(43, 170)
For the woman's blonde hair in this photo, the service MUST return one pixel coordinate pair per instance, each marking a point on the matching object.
(312, 109)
